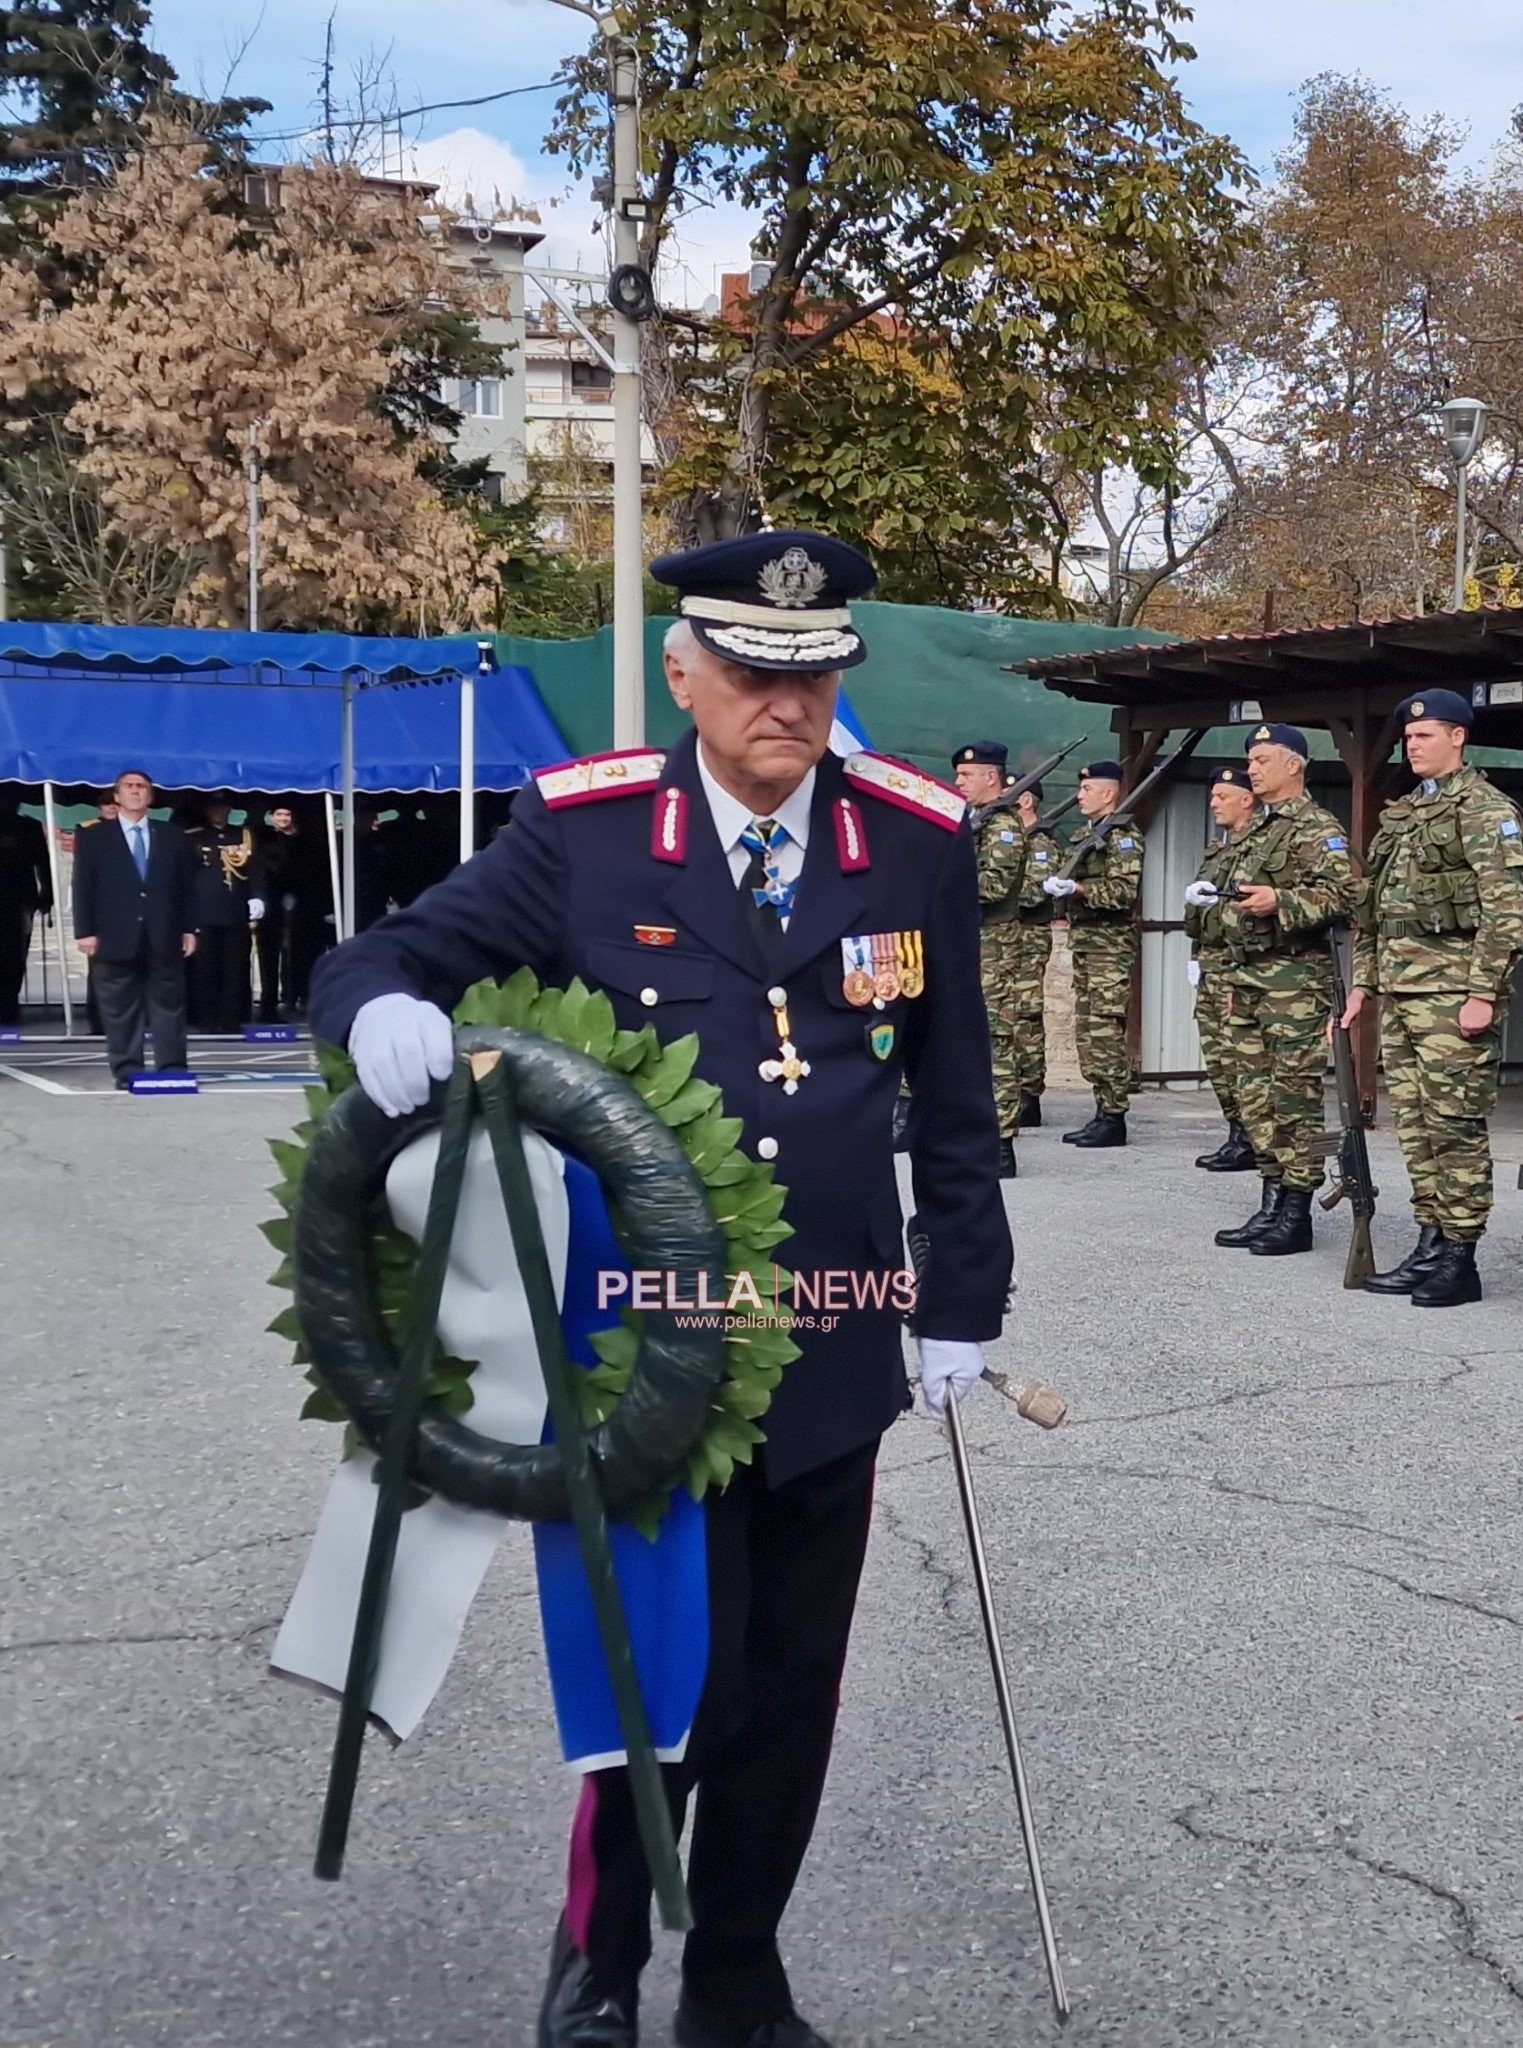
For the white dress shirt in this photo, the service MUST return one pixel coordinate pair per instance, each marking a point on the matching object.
(131, 826)
(731, 819)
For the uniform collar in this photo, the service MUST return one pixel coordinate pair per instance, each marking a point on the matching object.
(731, 816)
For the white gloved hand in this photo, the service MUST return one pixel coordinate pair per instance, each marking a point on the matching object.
(1060, 885)
(1199, 894)
(256, 909)
(948, 1365)
(401, 1045)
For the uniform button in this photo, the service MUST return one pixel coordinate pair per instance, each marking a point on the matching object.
(766, 1148)
(777, 997)
(649, 997)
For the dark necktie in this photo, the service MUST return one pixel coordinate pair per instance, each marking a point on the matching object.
(767, 896)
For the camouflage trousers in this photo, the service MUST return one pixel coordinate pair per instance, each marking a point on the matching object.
(997, 963)
(1443, 1087)
(1032, 951)
(1102, 962)
(1215, 1034)
(1278, 1050)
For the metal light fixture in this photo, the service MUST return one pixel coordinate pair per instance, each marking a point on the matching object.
(1464, 429)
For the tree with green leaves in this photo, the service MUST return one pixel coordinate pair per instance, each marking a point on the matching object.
(1014, 185)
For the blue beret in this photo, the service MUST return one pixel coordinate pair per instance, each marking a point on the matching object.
(985, 753)
(1447, 706)
(1238, 777)
(1101, 771)
(772, 600)
(1279, 736)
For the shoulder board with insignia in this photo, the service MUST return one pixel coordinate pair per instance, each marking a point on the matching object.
(597, 776)
(896, 782)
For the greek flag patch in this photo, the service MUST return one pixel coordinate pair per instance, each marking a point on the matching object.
(1041, 859)
(1509, 828)
(1126, 845)
(1337, 844)
(1007, 839)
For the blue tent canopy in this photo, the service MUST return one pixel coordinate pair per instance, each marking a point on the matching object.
(246, 711)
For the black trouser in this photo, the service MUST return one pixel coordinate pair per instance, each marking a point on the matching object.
(272, 943)
(220, 996)
(783, 1574)
(128, 991)
(15, 940)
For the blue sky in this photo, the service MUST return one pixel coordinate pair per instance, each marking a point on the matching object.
(1431, 55)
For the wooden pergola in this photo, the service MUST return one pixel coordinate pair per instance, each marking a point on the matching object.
(1346, 679)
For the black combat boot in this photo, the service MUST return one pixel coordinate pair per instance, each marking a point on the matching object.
(1417, 1265)
(1007, 1166)
(1031, 1113)
(577, 2013)
(1108, 1128)
(1271, 1196)
(1451, 1280)
(1233, 1155)
(1289, 1229)
(1079, 1136)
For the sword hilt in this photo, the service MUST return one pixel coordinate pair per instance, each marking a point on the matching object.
(1040, 1404)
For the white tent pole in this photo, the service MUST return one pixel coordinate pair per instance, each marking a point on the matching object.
(347, 928)
(467, 764)
(55, 869)
(338, 932)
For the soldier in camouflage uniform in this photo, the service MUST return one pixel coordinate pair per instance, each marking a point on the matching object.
(1032, 945)
(1233, 804)
(1000, 846)
(1101, 896)
(1294, 879)
(1440, 933)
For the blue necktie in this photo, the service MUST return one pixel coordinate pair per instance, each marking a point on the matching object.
(140, 850)
(764, 840)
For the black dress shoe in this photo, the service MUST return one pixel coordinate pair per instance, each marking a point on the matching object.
(1418, 1263)
(696, 2028)
(1270, 1198)
(1451, 1280)
(1235, 1154)
(1289, 1229)
(579, 2014)
(1031, 1113)
(1108, 1128)
(1007, 1166)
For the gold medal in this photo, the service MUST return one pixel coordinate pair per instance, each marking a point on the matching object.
(911, 963)
(858, 988)
(912, 980)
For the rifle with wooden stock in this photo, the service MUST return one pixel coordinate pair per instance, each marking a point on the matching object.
(1347, 1148)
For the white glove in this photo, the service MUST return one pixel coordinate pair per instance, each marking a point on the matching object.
(1199, 894)
(948, 1365)
(1061, 885)
(256, 909)
(400, 1046)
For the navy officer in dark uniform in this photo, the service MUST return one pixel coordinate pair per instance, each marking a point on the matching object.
(815, 922)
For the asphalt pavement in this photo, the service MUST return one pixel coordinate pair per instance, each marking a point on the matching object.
(1263, 1597)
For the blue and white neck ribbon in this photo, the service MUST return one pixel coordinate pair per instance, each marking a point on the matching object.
(766, 837)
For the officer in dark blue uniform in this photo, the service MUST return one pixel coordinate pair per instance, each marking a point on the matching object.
(815, 922)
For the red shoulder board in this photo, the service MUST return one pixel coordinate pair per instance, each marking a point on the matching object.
(597, 776)
(896, 782)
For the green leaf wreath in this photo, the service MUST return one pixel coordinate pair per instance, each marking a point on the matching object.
(747, 1201)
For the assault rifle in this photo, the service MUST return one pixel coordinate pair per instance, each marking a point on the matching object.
(1008, 798)
(1102, 828)
(1346, 1148)
(1045, 824)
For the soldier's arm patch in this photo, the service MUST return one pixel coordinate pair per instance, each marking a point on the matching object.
(1007, 838)
(1336, 843)
(1509, 828)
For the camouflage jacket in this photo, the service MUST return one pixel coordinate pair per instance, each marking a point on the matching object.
(1111, 879)
(1443, 907)
(1044, 857)
(1300, 851)
(999, 844)
(1203, 921)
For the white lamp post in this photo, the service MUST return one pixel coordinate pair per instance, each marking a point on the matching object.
(1464, 429)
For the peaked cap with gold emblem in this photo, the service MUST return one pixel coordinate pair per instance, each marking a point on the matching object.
(777, 601)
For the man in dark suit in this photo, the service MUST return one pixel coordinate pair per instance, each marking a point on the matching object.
(816, 924)
(134, 920)
(26, 886)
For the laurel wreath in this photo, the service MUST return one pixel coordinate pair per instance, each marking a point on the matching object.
(747, 1201)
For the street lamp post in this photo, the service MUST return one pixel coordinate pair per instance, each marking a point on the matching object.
(632, 302)
(1464, 429)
